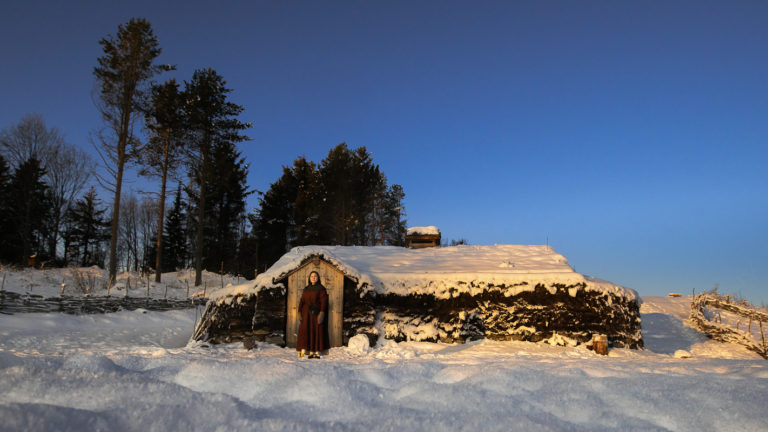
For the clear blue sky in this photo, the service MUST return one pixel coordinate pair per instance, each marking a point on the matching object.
(632, 136)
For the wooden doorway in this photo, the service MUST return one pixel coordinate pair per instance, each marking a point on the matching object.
(333, 281)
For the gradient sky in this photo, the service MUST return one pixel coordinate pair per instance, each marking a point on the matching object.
(630, 136)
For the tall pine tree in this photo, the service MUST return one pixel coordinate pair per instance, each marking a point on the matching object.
(165, 119)
(212, 121)
(225, 194)
(123, 74)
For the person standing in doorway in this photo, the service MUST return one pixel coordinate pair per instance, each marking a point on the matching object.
(313, 328)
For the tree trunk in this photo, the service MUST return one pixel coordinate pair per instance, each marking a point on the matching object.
(122, 141)
(161, 217)
(201, 221)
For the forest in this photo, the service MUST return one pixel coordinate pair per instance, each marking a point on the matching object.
(63, 206)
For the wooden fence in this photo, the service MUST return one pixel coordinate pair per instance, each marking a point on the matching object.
(740, 333)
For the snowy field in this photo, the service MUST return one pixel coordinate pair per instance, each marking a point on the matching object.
(134, 370)
(92, 281)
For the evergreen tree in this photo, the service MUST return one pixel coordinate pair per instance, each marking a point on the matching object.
(247, 252)
(395, 225)
(305, 181)
(344, 201)
(29, 210)
(225, 207)
(6, 227)
(123, 74)
(165, 120)
(87, 230)
(349, 180)
(274, 220)
(213, 124)
(175, 237)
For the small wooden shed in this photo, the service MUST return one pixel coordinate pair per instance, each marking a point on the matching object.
(333, 280)
(422, 237)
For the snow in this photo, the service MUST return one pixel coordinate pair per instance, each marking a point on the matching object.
(134, 370)
(93, 280)
(425, 230)
(443, 272)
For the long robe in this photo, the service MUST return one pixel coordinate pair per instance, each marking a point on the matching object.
(313, 336)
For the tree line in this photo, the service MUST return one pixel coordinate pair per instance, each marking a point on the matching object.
(185, 136)
(344, 200)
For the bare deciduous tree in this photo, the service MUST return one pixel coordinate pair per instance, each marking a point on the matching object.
(67, 172)
(28, 139)
(67, 168)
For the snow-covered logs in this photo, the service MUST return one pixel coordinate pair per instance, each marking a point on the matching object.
(454, 294)
(533, 316)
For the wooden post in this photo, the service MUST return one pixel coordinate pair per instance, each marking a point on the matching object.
(600, 344)
(187, 282)
(3, 287)
(762, 335)
(165, 296)
(205, 288)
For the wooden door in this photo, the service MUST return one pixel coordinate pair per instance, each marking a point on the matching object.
(333, 280)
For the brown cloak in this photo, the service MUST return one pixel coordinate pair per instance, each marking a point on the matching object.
(313, 336)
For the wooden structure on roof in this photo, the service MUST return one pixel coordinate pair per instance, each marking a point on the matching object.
(418, 240)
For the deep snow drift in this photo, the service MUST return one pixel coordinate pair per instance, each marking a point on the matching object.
(135, 371)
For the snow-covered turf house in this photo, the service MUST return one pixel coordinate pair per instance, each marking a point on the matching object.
(445, 294)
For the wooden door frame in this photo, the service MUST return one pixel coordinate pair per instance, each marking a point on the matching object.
(333, 280)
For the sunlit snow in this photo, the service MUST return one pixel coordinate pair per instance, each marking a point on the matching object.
(442, 272)
(133, 370)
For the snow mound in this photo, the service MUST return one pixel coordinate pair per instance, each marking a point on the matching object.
(359, 344)
(90, 362)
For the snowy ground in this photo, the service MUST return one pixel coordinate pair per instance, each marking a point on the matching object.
(134, 371)
(78, 281)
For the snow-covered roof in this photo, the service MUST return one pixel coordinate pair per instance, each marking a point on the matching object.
(425, 230)
(444, 272)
